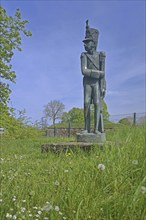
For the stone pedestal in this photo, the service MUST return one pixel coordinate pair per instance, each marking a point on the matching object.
(58, 147)
(91, 137)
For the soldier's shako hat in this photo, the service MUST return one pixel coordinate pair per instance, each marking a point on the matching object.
(91, 34)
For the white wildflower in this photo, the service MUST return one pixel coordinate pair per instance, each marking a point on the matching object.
(7, 215)
(14, 198)
(101, 166)
(14, 217)
(135, 162)
(24, 200)
(66, 171)
(32, 193)
(60, 213)
(23, 209)
(56, 208)
(30, 215)
(64, 218)
(56, 183)
(47, 207)
(46, 218)
(143, 189)
(35, 208)
(1, 200)
(39, 212)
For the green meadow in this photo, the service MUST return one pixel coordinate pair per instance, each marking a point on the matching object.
(107, 183)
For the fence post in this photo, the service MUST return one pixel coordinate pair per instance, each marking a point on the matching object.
(69, 129)
(54, 131)
(134, 118)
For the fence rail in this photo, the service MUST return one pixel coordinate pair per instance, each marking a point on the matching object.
(133, 119)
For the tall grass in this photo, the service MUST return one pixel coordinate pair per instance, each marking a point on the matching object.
(70, 185)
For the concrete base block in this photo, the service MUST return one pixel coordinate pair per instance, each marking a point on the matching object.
(91, 137)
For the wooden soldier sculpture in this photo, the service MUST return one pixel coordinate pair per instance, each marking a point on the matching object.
(93, 70)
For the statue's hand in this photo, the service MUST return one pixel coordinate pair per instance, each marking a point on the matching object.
(97, 74)
(94, 75)
(103, 93)
(102, 74)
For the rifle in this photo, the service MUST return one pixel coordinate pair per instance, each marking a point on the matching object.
(102, 84)
(102, 68)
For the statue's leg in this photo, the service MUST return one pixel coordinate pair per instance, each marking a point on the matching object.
(87, 117)
(96, 117)
(96, 101)
(87, 100)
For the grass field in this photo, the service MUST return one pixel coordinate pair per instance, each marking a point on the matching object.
(103, 184)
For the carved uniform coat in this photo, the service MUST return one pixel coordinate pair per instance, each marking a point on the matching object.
(93, 72)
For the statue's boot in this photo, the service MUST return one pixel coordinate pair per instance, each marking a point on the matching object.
(96, 118)
(87, 118)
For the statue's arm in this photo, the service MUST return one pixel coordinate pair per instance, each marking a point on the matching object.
(84, 69)
(97, 74)
(89, 72)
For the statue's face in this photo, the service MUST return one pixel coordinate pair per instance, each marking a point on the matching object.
(89, 45)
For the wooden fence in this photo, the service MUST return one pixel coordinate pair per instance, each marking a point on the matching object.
(58, 131)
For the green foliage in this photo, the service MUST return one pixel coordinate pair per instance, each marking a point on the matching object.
(17, 128)
(125, 121)
(70, 185)
(108, 125)
(104, 110)
(11, 29)
(10, 39)
(76, 116)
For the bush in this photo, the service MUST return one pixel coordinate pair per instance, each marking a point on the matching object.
(125, 121)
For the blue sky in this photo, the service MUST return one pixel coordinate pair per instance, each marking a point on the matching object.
(48, 68)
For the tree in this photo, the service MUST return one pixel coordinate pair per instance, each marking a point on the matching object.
(42, 123)
(54, 110)
(76, 116)
(23, 118)
(10, 39)
(104, 110)
(126, 121)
